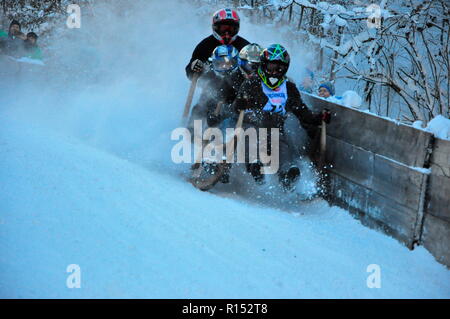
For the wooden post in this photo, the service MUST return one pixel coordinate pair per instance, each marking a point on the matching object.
(420, 213)
(425, 188)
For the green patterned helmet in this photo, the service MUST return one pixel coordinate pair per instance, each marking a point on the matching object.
(274, 65)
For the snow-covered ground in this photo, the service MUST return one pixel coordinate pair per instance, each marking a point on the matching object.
(87, 179)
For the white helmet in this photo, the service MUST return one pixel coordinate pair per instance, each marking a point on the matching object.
(250, 57)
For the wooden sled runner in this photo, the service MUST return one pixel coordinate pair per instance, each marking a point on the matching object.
(205, 178)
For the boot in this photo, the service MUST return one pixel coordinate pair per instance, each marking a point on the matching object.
(255, 170)
(225, 178)
(210, 168)
(288, 179)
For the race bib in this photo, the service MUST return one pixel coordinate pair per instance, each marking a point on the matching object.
(277, 99)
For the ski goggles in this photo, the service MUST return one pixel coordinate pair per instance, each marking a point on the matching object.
(276, 68)
(223, 29)
(224, 64)
(249, 67)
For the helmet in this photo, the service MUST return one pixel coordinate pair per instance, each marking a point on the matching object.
(274, 65)
(225, 24)
(224, 59)
(250, 59)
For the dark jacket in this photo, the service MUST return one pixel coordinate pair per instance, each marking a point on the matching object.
(217, 89)
(12, 46)
(252, 97)
(206, 47)
(32, 51)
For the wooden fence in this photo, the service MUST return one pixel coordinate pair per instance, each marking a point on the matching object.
(391, 176)
(436, 226)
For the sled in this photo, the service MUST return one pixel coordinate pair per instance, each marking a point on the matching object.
(205, 179)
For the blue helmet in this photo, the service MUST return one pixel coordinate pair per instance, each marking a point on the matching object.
(224, 59)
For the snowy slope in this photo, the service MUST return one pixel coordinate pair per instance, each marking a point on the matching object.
(136, 232)
(86, 179)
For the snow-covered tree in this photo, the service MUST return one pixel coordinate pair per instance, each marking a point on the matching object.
(396, 51)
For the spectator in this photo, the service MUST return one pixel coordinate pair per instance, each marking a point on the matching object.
(13, 44)
(31, 48)
(326, 90)
(349, 98)
(267, 100)
(3, 39)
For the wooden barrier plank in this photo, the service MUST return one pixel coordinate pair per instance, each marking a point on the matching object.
(438, 193)
(400, 142)
(346, 193)
(436, 238)
(374, 210)
(440, 160)
(439, 197)
(374, 175)
(398, 218)
(393, 180)
(397, 182)
(349, 161)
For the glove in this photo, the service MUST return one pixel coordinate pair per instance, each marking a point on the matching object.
(326, 116)
(243, 102)
(212, 119)
(197, 66)
(241, 107)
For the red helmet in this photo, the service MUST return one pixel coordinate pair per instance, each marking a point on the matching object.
(225, 25)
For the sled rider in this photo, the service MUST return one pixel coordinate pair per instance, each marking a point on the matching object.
(13, 44)
(250, 59)
(220, 84)
(225, 25)
(266, 99)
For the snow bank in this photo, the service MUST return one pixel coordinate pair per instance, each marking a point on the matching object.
(351, 99)
(30, 61)
(440, 127)
(418, 125)
(348, 99)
